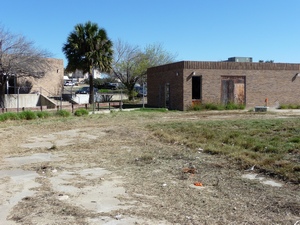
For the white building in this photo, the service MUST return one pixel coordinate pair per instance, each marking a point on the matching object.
(79, 76)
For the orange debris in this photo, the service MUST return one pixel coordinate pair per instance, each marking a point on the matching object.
(198, 184)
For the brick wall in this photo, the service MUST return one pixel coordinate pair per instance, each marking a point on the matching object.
(156, 87)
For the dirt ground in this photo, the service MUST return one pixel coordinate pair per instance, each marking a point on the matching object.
(110, 169)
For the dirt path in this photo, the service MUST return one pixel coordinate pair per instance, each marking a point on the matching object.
(109, 169)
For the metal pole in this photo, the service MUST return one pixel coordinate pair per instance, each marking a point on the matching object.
(7, 85)
(143, 95)
(93, 71)
(121, 99)
(61, 97)
(18, 99)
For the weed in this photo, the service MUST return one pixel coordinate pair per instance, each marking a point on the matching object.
(290, 106)
(43, 114)
(233, 106)
(154, 110)
(63, 113)
(259, 142)
(294, 139)
(81, 112)
(146, 158)
(214, 106)
(27, 115)
(9, 116)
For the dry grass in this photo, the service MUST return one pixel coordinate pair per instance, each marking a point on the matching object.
(273, 145)
(152, 163)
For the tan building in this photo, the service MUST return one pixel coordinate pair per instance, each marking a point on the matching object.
(179, 85)
(50, 84)
(29, 92)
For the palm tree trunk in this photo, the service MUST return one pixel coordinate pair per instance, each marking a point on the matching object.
(91, 82)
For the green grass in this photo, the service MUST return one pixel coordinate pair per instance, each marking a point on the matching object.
(290, 106)
(273, 145)
(213, 106)
(153, 110)
(32, 115)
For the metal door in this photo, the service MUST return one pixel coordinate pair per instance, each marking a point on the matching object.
(233, 90)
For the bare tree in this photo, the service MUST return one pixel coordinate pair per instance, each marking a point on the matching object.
(126, 66)
(131, 63)
(19, 58)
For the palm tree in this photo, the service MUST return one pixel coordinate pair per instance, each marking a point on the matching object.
(88, 48)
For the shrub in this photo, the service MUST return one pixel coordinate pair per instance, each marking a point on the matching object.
(43, 114)
(9, 116)
(233, 106)
(212, 106)
(13, 116)
(2, 118)
(27, 115)
(81, 112)
(63, 113)
(196, 107)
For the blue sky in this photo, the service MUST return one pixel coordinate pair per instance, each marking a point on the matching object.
(197, 30)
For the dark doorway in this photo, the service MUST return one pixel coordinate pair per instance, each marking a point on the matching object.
(233, 90)
(197, 87)
(167, 95)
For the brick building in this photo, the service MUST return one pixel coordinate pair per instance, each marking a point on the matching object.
(181, 84)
